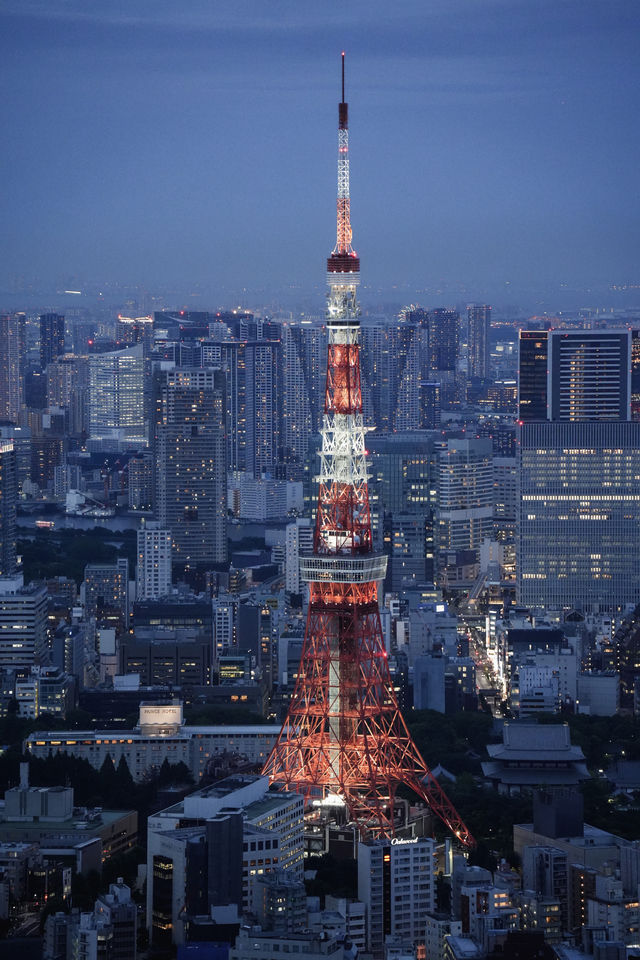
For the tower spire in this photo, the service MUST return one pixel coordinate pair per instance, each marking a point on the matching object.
(344, 738)
(343, 266)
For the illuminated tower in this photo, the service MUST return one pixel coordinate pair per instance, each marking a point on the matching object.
(344, 737)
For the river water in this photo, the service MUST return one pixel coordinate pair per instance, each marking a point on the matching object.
(63, 522)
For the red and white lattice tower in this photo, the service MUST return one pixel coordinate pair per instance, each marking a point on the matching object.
(344, 738)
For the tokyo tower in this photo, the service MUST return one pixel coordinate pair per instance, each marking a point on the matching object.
(344, 738)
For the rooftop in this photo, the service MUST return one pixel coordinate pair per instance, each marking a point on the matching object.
(79, 826)
(521, 740)
(593, 837)
(71, 737)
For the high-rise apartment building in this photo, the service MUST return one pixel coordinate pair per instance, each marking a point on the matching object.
(296, 409)
(140, 472)
(12, 365)
(116, 396)
(262, 400)
(479, 323)
(444, 337)
(20, 437)
(132, 330)
(8, 506)
(191, 465)
(315, 337)
(68, 389)
(412, 358)
(106, 591)
(153, 572)
(51, 338)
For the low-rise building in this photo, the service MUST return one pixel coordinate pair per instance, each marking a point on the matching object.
(255, 945)
(438, 928)
(44, 690)
(160, 735)
(45, 818)
(598, 693)
(190, 845)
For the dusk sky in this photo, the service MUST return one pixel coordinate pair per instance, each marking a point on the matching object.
(173, 143)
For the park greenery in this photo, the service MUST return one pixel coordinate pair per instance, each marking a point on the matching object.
(65, 553)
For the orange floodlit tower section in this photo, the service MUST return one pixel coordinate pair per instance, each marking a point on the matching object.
(344, 741)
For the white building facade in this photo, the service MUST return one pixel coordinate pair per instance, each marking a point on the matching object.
(153, 572)
(396, 882)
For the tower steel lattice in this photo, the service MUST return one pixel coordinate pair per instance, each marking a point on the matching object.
(344, 737)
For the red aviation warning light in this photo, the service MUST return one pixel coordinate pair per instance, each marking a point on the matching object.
(344, 740)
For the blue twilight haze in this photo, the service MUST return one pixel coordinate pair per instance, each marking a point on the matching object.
(492, 142)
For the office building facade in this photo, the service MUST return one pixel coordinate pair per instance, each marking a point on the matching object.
(579, 515)
(465, 514)
(578, 375)
(579, 470)
(116, 397)
(23, 623)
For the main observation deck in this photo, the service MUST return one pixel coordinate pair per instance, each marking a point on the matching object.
(338, 568)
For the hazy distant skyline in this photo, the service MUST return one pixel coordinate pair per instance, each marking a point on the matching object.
(493, 142)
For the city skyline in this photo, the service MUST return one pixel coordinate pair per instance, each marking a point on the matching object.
(357, 596)
(177, 148)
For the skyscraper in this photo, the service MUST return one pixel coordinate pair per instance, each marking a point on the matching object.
(465, 513)
(8, 503)
(444, 336)
(479, 320)
(579, 515)
(579, 471)
(314, 338)
(51, 338)
(68, 388)
(396, 883)
(12, 365)
(635, 374)
(589, 375)
(191, 466)
(116, 396)
(577, 374)
(532, 390)
(296, 409)
(262, 403)
(153, 571)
